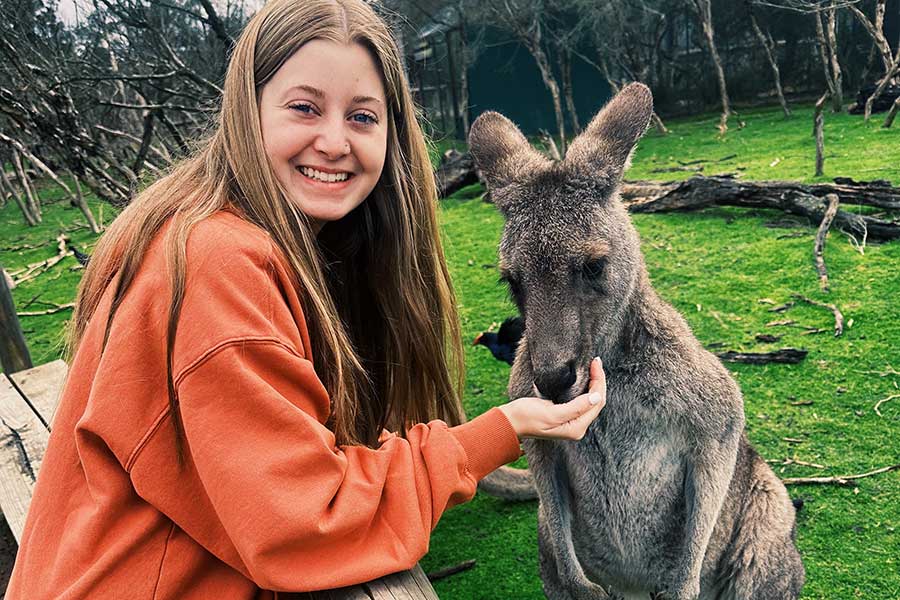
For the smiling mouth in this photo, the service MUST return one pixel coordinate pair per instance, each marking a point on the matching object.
(322, 177)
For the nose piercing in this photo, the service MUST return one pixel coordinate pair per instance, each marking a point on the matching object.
(346, 148)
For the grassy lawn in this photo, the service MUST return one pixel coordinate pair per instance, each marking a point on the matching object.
(720, 267)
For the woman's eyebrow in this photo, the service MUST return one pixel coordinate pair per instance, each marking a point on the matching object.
(364, 99)
(315, 92)
(319, 94)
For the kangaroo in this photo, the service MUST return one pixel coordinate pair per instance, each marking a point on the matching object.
(664, 494)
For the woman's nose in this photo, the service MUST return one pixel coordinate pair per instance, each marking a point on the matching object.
(332, 141)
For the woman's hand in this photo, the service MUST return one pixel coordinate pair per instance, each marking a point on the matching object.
(537, 418)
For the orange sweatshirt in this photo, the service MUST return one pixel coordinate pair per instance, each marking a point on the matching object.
(266, 500)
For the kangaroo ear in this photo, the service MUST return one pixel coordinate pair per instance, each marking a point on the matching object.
(500, 150)
(604, 148)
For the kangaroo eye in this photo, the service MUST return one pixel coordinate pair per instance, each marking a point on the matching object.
(593, 269)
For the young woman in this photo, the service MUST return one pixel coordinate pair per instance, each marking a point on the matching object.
(247, 332)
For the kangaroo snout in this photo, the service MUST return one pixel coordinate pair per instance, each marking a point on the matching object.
(555, 381)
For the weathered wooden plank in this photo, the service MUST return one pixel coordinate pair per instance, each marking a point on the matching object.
(14, 354)
(42, 386)
(23, 440)
(406, 585)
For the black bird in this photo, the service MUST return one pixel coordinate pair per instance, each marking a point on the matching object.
(79, 256)
(503, 344)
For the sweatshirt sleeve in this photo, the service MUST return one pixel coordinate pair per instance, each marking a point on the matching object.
(291, 510)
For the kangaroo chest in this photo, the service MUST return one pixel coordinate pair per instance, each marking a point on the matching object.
(625, 480)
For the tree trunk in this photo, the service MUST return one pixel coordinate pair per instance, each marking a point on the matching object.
(828, 54)
(876, 30)
(82, 204)
(33, 202)
(889, 119)
(454, 98)
(818, 129)
(145, 143)
(183, 147)
(824, 54)
(703, 10)
(550, 81)
(615, 87)
(8, 185)
(565, 68)
(837, 101)
(768, 45)
(464, 60)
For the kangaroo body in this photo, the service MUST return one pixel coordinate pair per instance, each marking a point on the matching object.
(664, 494)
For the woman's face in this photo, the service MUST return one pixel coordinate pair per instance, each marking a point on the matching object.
(324, 125)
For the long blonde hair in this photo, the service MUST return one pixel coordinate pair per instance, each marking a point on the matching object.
(389, 352)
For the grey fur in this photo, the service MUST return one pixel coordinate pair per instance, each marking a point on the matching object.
(664, 494)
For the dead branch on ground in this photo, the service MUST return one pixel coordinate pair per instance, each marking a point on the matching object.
(452, 570)
(31, 271)
(882, 401)
(821, 234)
(784, 355)
(836, 479)
(838, 316)
(55, 309)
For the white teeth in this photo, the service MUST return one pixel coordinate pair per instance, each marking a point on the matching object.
(327, 177)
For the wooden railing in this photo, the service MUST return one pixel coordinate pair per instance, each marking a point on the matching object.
(28, 402)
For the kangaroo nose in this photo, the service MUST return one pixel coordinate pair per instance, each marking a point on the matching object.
(555, 381)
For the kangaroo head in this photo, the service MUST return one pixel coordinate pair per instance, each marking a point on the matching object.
(568, 252)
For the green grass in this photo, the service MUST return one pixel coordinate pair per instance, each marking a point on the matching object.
(714, 266)
(772, 147)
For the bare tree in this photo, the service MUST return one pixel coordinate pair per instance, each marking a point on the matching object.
(825, 15)
(526, 20)
(819, 132)
(703, 11)
(769, 46)
(890, 62)
(118, 93)
(626, 37)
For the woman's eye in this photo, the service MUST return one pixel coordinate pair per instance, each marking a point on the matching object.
(364, 118)
(593, 269)
(303, 108)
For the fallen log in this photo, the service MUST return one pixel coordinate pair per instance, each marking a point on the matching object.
(807, 200)
(785, 355)
(457, 170)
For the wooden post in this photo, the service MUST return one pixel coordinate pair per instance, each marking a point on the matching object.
(14, 354)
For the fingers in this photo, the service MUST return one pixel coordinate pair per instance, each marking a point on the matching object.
(583, 409)
(580, 425)
(598, 380)
(534, 417)
(575, 408)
